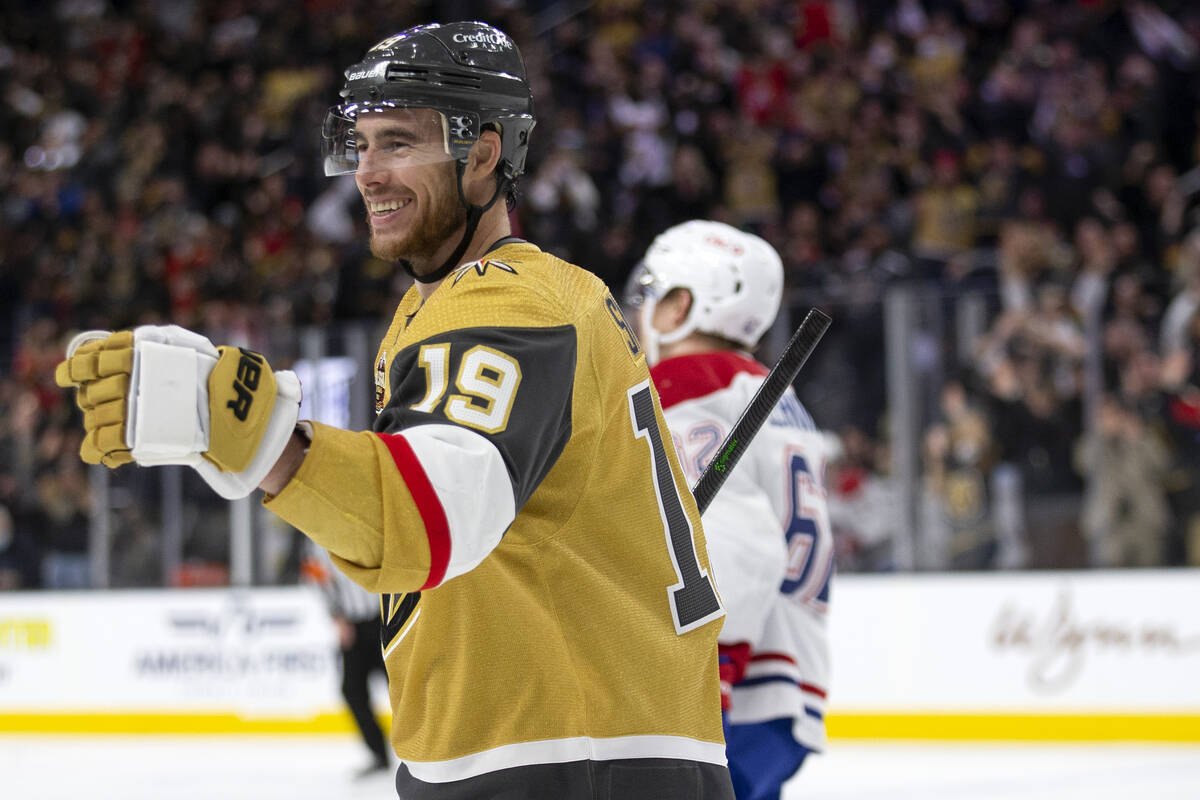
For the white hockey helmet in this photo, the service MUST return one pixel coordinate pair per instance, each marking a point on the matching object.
(735, 279)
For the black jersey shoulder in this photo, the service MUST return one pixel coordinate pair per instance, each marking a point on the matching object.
(537, 424)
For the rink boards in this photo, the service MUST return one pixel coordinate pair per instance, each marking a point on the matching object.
(1076, 656)
(1067, 656)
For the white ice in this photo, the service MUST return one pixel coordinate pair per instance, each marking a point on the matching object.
(47, 767)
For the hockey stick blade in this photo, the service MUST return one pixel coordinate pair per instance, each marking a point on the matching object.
(794, 354)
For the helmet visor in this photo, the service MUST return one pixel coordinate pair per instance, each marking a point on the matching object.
(639, 298)
(639, 287)
(389, 135)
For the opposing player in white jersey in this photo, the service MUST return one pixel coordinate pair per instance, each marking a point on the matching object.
(707, 293)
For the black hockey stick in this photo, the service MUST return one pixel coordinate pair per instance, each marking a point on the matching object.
(794, 354)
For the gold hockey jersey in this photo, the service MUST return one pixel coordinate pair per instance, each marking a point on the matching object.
(521, 510)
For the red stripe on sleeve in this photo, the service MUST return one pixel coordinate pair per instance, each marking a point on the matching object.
(812, 689)
(768, 655)
(428, 505)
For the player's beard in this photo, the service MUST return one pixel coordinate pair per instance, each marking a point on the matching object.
(442, 218)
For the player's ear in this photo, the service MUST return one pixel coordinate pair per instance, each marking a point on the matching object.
(482, 161)
(672, 310)
(680, 301)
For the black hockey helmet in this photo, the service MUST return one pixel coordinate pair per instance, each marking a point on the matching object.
(469, 72)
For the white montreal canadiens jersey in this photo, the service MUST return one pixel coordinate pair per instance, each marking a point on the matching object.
(768, 535)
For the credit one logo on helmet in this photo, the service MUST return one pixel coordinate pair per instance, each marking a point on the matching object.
(487, 40)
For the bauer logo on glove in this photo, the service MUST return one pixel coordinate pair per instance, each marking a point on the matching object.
(249, 369)
(165, 395)
(239, 379)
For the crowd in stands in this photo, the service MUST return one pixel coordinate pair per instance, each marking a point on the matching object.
(159, 161)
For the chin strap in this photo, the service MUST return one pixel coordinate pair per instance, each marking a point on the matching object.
(474, 214)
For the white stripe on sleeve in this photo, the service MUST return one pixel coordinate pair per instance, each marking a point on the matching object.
(472, 483)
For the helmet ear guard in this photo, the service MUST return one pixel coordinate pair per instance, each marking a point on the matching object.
(643, 293)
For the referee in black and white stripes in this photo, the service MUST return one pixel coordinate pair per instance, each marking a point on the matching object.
(355, 611)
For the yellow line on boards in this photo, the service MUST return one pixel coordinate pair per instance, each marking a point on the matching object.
(180, 723)
(942, 727)
(1017, 727)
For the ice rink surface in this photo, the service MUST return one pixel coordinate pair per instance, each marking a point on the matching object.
(321, 768)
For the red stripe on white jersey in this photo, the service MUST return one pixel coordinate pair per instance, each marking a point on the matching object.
(809, 688)
(437, 529)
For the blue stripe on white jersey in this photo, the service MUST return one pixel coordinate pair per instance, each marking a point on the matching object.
(789, 412)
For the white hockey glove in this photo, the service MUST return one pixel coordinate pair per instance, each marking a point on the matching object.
(161, 394)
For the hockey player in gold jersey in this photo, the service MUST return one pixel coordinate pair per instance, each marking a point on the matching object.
(550, 624)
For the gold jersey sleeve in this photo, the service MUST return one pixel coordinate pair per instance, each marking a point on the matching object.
(590, 630)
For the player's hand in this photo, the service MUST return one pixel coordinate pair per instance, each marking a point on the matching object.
(732, 661)
(165, 395)
(98, 365)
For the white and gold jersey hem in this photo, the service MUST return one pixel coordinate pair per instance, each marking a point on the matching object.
(557, 751)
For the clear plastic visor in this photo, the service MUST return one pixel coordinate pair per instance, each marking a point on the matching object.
(641, 287)
(358, 137)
